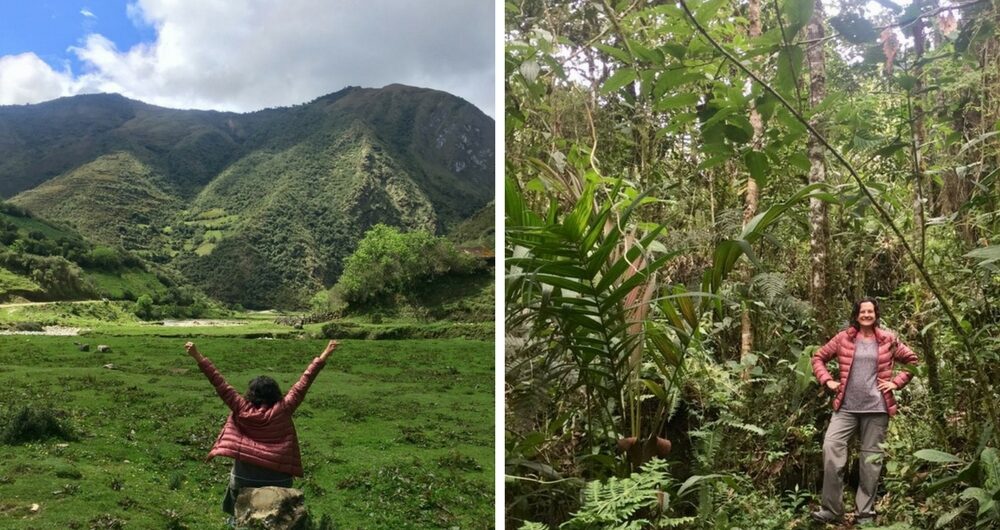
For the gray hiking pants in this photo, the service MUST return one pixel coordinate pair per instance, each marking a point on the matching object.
(872, 427)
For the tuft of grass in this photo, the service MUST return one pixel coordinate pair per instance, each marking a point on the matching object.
(456, 460)
(106, 521)
(33, 423)
(69, 473)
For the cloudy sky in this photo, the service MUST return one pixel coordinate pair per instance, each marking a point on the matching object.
(243, 55)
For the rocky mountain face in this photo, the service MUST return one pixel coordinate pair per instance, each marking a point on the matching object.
(261, 208)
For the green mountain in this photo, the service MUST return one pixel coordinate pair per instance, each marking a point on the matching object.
(261, 208)
(41, 261)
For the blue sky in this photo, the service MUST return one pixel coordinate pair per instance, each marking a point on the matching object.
(243, 55)
(50, 27)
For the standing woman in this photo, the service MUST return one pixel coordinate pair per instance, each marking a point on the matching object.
(259, 434)
(863, 402)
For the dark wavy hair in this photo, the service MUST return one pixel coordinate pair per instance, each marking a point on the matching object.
(857, 311)
(263, 392)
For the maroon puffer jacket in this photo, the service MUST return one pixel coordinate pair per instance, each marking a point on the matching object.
(890, 349)
(264, 437)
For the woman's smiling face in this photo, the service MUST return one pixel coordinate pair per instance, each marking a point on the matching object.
(867, 315)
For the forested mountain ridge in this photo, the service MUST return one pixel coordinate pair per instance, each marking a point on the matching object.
(259, 208)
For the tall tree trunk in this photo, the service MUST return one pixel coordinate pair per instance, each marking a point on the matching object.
(752, 194)
(918, 137)
(819, 238)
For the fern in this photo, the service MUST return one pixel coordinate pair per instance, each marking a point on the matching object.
(771, 285)
(748, 427)
(634, 503)
(729, 221)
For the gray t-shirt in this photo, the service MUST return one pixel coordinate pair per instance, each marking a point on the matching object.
(862, 393)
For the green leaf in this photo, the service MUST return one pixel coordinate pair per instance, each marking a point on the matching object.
(991, 467)
(617, 53)
(800, 161)
(670, 79)
(656, 389)
(977, 140)
(906, 81)
(674, 49)
(714, 161)
(758, 165)
(796, 14)
(707, 11)
(854, 28)
(947, 518)
(618, 80)
(670, 352)
(933, 455)
(678, 121)
(985, 255)
(789, 70)
(681, 100)
(719, 115)
(737, 134)
(686, 306)
(937, 485)
(694, 480)
(649, 55)
(646, 83)
(529, 69)
(892, 148)
(794, 126)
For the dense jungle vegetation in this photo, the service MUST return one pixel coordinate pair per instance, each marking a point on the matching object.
(696, 193)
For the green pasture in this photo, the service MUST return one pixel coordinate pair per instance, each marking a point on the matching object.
(394, 434)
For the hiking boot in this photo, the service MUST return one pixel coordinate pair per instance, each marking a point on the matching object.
(824, 516)
(865, 520)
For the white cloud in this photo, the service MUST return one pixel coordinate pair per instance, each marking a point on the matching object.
(25, 78)
(87, 13)
(253, 54)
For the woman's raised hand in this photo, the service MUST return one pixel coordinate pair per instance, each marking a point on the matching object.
(330, 346)
(191, 349)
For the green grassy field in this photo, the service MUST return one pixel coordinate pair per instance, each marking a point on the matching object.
(394, 434)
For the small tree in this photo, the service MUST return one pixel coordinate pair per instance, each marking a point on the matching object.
(388, 261)
(144, 307)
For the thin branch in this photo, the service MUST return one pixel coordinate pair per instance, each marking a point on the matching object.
(784, 39)
(599, 36)
(903, 23)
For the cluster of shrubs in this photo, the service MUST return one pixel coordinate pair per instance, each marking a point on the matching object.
(389, 262)
(177, 302)
(436, 330)
(71, 249)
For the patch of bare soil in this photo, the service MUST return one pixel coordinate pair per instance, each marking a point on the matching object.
(57, 331)
(202, 322)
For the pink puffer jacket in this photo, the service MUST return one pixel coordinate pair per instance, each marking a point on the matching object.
(264, 437)
(890, 349)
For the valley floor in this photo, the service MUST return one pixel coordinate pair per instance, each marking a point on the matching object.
(394, 434)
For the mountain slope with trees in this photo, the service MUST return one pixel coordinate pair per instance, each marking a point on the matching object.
(258, 209)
